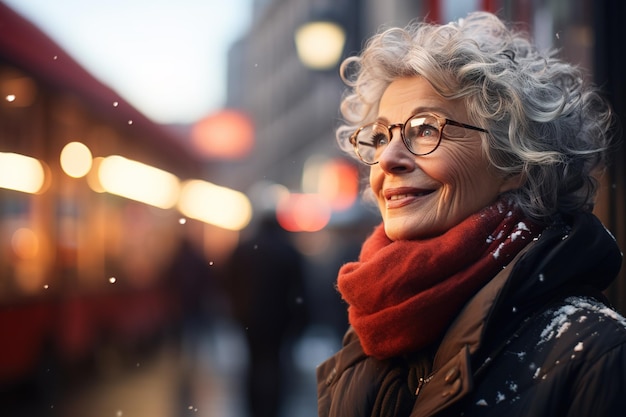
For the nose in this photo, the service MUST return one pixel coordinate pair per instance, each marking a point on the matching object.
(396, 157)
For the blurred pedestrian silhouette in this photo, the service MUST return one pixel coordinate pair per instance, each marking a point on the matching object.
(193, 281)
(194, 287)
(266, 288)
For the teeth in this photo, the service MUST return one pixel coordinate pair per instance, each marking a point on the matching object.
(398, 197)
(401, 196)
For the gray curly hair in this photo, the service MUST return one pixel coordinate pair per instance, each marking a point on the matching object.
(545, 123)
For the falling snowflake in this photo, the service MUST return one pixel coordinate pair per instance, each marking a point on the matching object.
(500, 397)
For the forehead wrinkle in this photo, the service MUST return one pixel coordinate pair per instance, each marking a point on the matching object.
(437, 110)
(382, 120)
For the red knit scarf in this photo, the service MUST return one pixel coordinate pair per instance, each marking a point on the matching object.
(402, 295)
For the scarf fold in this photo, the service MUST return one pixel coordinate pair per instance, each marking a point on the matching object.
(402, 295)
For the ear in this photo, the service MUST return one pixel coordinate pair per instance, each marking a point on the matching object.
(512, 182)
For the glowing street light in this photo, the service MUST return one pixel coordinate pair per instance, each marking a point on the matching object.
(137, 181)
(76, 159)
(320, 44)
(21, 173)
(216, 205)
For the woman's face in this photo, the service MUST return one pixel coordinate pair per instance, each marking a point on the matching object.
(423, 196)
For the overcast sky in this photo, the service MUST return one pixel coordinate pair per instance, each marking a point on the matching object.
(166, 57)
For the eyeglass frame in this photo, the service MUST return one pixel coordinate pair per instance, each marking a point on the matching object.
(442, 121)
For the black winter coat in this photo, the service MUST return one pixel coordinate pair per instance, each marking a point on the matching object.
(537, 340)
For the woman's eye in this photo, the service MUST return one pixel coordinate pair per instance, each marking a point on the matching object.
(379, 140)
(428, 131)
(422, 128)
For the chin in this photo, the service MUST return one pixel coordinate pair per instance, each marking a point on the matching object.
(396, 229)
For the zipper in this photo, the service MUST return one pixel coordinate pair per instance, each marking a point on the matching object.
(421, 382)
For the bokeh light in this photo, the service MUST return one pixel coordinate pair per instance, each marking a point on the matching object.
(25, 244)
(303, 212)
(227, 134)
(76, 159)
(21, 173)
(320, 44)
(138, 181)
(216, 205)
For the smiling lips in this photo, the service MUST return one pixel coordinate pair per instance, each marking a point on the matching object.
(399, 197)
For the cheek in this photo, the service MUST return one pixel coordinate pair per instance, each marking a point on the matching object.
(458, 169)
(376, 178)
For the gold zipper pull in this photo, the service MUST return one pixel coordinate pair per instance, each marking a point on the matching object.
(421, 383)
(419, 386)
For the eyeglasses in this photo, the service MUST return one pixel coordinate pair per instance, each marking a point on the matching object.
(421, 135)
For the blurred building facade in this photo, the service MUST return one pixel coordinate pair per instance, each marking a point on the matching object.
(83, 273)
(295, 109)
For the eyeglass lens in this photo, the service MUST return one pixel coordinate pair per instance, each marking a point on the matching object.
(420, 134)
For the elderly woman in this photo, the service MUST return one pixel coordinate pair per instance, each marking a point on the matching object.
(480, 292)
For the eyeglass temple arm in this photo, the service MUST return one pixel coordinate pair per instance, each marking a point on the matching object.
(452, 122)
(355, 143)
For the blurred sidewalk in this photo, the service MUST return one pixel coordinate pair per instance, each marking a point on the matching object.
(178, 381)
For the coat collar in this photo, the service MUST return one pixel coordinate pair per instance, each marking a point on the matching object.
(561, 256)
(451, 379)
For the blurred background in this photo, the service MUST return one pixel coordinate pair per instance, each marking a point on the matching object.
(174, 208)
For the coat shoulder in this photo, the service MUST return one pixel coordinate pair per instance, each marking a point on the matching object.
(564, 354)
(577, 327)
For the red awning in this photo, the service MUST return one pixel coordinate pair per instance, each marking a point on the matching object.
(26, 47)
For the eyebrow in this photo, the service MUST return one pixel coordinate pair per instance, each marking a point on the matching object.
(439, 111)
